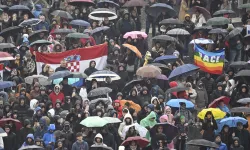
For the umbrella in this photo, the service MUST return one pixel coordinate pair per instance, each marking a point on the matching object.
(148, 71)
(66, 73)
(134, 49)
(217, 113)
(247, 39)
(218, 31)
(244, 101)
(238, 64)
(218, 21)
(110, 3)
(178, 31)
(156, 9)
(80, 23)
(171, 21)
(93, 122)
(4, 7)
(19, 8)
(29, 147)
(169, 130)
(135, 34)
(6, 84)
(29, 22)
(202, 143)
(202, 28)
(183, 70)
(176, 103)
(202, 10)
(17, 123)
(164, 38)
(64, 31)
(242, 74)
(161, 77)
(3, 133)
(159, 65)
(223, 12)
(241, 6)
(10, 30)
(112, 120)
(100, 147)
(215, 104)
(135, 3)
(202, 41)
(234, 32)
(40, 42)
(4, 56)
(78, 3)
(62, 14)
(103, 74)
(6, 45)
(142, 142)
(131, 84)
(141, 130)
(101, 13)
(36, 33)
(105, 101)
(178, 88)
(77, 36)
(99, 91)
(240, 110)
(166, 59)
(99, 29)
(43, 80)
(132, 105)
(232, 121)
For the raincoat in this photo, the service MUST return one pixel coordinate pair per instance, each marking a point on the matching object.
(49, 137)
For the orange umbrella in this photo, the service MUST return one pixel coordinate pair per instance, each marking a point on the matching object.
(133, 105)
(134, 49)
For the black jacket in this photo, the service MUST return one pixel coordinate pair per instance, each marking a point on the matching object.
(90, 69)
(244, 137)
(10, 142)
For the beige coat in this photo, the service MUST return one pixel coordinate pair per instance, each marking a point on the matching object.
(183, 10)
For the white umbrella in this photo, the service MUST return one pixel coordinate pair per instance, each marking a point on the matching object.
(100, 13)
(43, 80)
(102, 75)
(142, 130)
(201, 41)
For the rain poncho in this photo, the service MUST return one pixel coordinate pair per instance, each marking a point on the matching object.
(49, 137)
(146, 122)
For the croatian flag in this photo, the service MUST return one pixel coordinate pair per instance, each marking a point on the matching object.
(77, 60)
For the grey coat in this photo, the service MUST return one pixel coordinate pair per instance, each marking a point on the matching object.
(202, 98)
(77, 145)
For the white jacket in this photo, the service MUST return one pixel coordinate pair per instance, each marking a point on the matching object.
(198, 21)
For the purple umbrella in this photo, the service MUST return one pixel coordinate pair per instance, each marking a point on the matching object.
(161, 77)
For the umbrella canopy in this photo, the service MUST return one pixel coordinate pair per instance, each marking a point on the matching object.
(202, 28)
(135, 3)
(4, 7)
(80, 23)
(232, 121)
(110, 3)
(62, 14)
(202, 41)
(36, 33)
(244, 101)
(66, 73)
(30, 147)
(218, 31)
(16, 122)
(215, 103)
(6, 84)
(131, 84)
(148, 71)
(99, 91)
(166, 59)
(77, 36)
(100, 147)
(134, 49)
(178, 88)
(142, 142)
(103, 74)
(238, 64)
(183, 70)
(99, 29)
(240, 110)
(29, 22)
(169, 130)
(156, 9)
(217, 113)
(161, 77)
(218, 21)
(202, 10)
(4, 56)
(112, 120)
(101, 13)
(105, 101)
(171, 21)
(164, 38)
(19, 8)
(202, 143)
(176, 103)
(234, 32)
(243, 74)
(43, 80)
(160, 65)
(10, 30)
(140, 129)
(41, 42)
(135, 34)
(178, 31)
(93, 122)
(132, 105)
(64, 31)
(6, 45)
(223, 12)
(77, 3)
(242, 6)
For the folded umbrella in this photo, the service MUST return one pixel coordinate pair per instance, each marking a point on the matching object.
(43, 80)
(99, 91)
(176, 103)
(141, 142)
(11, 30)
(166, 59)
(218, 31)
(101, 75)
(110, 3)
(6, 45)
(77, 36)
(156, 9)
(171, 21)
(223, 12)
(112, 120)
(202, 10)
(29, 22)
(135, 3)
(231, 121)
(240, 110)
(17, 124)
(80, 23)
(40, 42)
(134, 49)
(215, 103)
(169, 130)
(101, 13)
(100, 29)
(62, 14)
(148, 71)
(178, 31)
(244, 101)
(64, 31)
(217, 113)
(135, 34)
(78, 3)
(185, 70)
(6, 84)
(202, 41)
(93, 122)
(202, 143)
(218, 21)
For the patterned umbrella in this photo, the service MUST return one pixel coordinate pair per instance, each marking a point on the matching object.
(178, 31)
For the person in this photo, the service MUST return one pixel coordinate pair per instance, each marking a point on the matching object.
(25, 131)
(198, 19)
(91, 69)
(222, 146)
(226, 136)
(68, 135)
(127, 120)
(183, 128)
(189, 25)
(150, 19)
(236, 144)
(43, 24)
(98, 140)
(37, 11)
(201, 100)
(223, 107)
(243, 135)
(209, 125)
(9, 141)
(49, 138)
(80, 144)
(235, 46)
(60, 145)
(183, 111)
(56, 95)
(29, 140)
(63, 66)
(192, 94)
(218, 92)
(183, 10)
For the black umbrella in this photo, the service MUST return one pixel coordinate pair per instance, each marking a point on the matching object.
(64, 31)
(62, 14)
(36, 33)
(99, 29)
(171, 21)
(4, 7)
(10, 31)
(243, 73)
(30, 147)
(218, 21)
(131, 84)
(100, 147)
(29, 22)
(6, 45)
(169, 130)
(160, 65)
(101, 3)
(156, 9)
(223, 12)
(164, 38)
(93, 102)
(238, 64)
(178, 31)
(202, 143)
(202, 10)
(202, 28)
(41, 42)
(99, 91)
(19, 8)
(218, 31)
(240, 110)
(176, 89)
(244, 101)
(135, 3)
(234, 32)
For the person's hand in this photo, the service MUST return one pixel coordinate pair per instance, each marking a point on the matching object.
(186, 124)
(233, 135)
(202, 132)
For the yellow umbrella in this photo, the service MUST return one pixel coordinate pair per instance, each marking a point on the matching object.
(217, 113)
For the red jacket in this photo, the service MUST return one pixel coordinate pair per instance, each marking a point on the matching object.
(53, 97)
(118, 109)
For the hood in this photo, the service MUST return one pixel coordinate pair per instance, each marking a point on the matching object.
(66, 123)
(119, 94)
(151, 107)
(58, 101)
(37, 109)
(52, 127)
(164, 118)
(200, 85)
(147, 122)
(91, 62)
(130, 93)
(236, 139)
(128, 116)
(38, 7)
(151, 115)
(22, 98)
(167, 108)
(33, 103)
(4, 95)
(244, 86)
(188, 83)
(173, 84)
(30, 136)
(26, 122)
(117, 101)
(42, 121)
(57, 86)
(99, 136)
(57, 44)
(154, 98)
(52, 112)
(125, 12)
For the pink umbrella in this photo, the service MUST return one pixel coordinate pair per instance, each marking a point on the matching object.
(161, 77)
(5, 56)
(135, 34)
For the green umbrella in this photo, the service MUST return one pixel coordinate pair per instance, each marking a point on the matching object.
(77, 36)
(112, 120)
(92, 122)
(41, 42)
(218, 21)
(1, 11)
(247, 5)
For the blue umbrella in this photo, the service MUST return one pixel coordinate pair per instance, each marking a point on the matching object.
(176, 103)
(99, 29)
(185, 70)
(156, 9)
(166, 59)
(18, 8)
(231, 122)
(59, 74)
(79, 23)
(6, 84)
(110, 3)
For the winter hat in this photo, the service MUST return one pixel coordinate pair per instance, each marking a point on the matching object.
(119, 94)
(151, 107)
(25, 36)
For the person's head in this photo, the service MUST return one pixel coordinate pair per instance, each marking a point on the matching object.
(236, 142)
(63, 63)
(126, 16)
(133, 145)
(51, 71)
(128, 120)
(187, 17)
(133, 93)
(108, 80)
(25, 17)
(93, 64)
(42, 17)
(221, 103)
(219, 86)
(183, 105)
(106, 20)
(59, 144)
(226, 77)
(197, 12)
(243, 88)
(160, 129)
(209, 114)
(208, 75)
(226, 128)
(79, 136)
(239, 126)
(218, 139)
(7, 128)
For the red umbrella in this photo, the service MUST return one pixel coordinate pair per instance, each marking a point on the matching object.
(214, 104)
(5, 56)
(142, 142)
(81, 2)
(17, 123)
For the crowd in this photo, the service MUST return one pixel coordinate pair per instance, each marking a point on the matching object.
(129, 90)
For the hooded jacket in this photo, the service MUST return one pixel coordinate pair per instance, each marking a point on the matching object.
(144, 97)
(21, 109)
(118, 108)
(99, 144)
(42, 129)
(56, 96)
(135, 98)
(202, 98)
(238, 147)
(123, 124)
(33, 102)
(168, 112)
(90, 69)
(10, 142)
(49, 137)
(25, 132)
(27, 144)
(68, 135)
(125, 25)
(146, 122)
